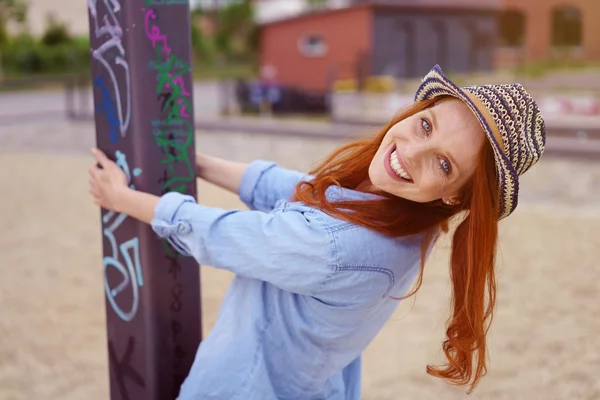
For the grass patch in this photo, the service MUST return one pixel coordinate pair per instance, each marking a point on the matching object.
(205, 71)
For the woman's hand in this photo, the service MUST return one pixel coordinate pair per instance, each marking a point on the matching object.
(107, 181)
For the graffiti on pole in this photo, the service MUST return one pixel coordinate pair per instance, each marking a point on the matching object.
(123, 273)
(143, 106)
(111, 55)
(174, 134)
(131, 272)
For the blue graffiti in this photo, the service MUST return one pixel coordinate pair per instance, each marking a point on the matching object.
(108, 107)
(131, 272)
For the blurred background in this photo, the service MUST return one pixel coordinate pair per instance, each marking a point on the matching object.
(289, 81)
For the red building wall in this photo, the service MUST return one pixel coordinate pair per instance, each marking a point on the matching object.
(346, 32)
(538, 32)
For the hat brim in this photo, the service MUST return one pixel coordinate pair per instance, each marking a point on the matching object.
(436, 84)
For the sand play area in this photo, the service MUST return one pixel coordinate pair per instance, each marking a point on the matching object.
(544, 342)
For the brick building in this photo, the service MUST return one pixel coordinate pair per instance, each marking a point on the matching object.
(537, 30)
(380, 38)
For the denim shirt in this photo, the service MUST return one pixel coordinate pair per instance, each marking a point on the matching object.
(310, 292)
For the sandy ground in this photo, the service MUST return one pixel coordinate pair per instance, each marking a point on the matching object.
(543, 344)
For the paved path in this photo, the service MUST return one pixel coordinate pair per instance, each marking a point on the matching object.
(543, 342)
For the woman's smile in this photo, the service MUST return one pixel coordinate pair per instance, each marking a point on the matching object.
(395, 166)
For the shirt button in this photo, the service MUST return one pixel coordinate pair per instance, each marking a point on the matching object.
(182, 227)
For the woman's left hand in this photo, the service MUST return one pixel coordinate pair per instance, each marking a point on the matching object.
(107, 181)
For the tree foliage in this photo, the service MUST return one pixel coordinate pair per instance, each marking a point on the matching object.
(14, 11)
(235, 28)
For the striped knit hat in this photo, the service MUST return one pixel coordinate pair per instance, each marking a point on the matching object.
(511, 120)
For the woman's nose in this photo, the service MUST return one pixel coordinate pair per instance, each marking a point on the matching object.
(415, 152)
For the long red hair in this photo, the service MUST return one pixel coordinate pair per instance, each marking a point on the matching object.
(473, 244)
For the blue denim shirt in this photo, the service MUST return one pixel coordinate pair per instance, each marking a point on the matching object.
(310, 291)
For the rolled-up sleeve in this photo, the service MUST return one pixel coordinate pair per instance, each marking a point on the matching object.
(264, 183)
(290, 249)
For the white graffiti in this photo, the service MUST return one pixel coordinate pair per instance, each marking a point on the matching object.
(132, 275)
(110, 27)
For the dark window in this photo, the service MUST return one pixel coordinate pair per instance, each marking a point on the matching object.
(312, 45)
(567, 26)
(512, 28)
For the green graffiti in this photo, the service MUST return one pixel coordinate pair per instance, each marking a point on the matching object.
(171, 86)
(175, 151)
(175, 134)
(178, 107)
(167, 74)
(161, 64)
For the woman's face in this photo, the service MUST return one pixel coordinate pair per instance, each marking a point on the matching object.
(429, 156)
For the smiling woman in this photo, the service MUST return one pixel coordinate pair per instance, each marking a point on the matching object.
(321, 259)
(433, 152)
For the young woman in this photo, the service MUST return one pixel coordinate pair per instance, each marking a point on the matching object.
(321, 260)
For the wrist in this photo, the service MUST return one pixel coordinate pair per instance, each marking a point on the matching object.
(120, 199)
(136, 204)
(202, 164)
(199, 165)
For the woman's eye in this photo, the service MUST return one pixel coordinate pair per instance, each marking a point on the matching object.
(426, 126)
(445, 166)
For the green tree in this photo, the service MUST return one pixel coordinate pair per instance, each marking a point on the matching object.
(202, 45)
(235, 29)
(11, 11)
(56, 32)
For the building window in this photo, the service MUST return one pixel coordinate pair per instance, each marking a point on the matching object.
(512, 28)
(567, 26)
(312, 45)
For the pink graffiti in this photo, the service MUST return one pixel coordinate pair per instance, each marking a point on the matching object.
(182, 112)
(154, 33)
(179, 82)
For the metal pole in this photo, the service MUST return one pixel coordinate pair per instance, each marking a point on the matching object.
(143, 107)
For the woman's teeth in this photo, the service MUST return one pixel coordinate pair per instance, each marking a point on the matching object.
(395, 164)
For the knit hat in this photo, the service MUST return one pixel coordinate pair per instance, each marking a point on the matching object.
(511, 121)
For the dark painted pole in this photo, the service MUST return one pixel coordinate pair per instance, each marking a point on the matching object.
(142, 84)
